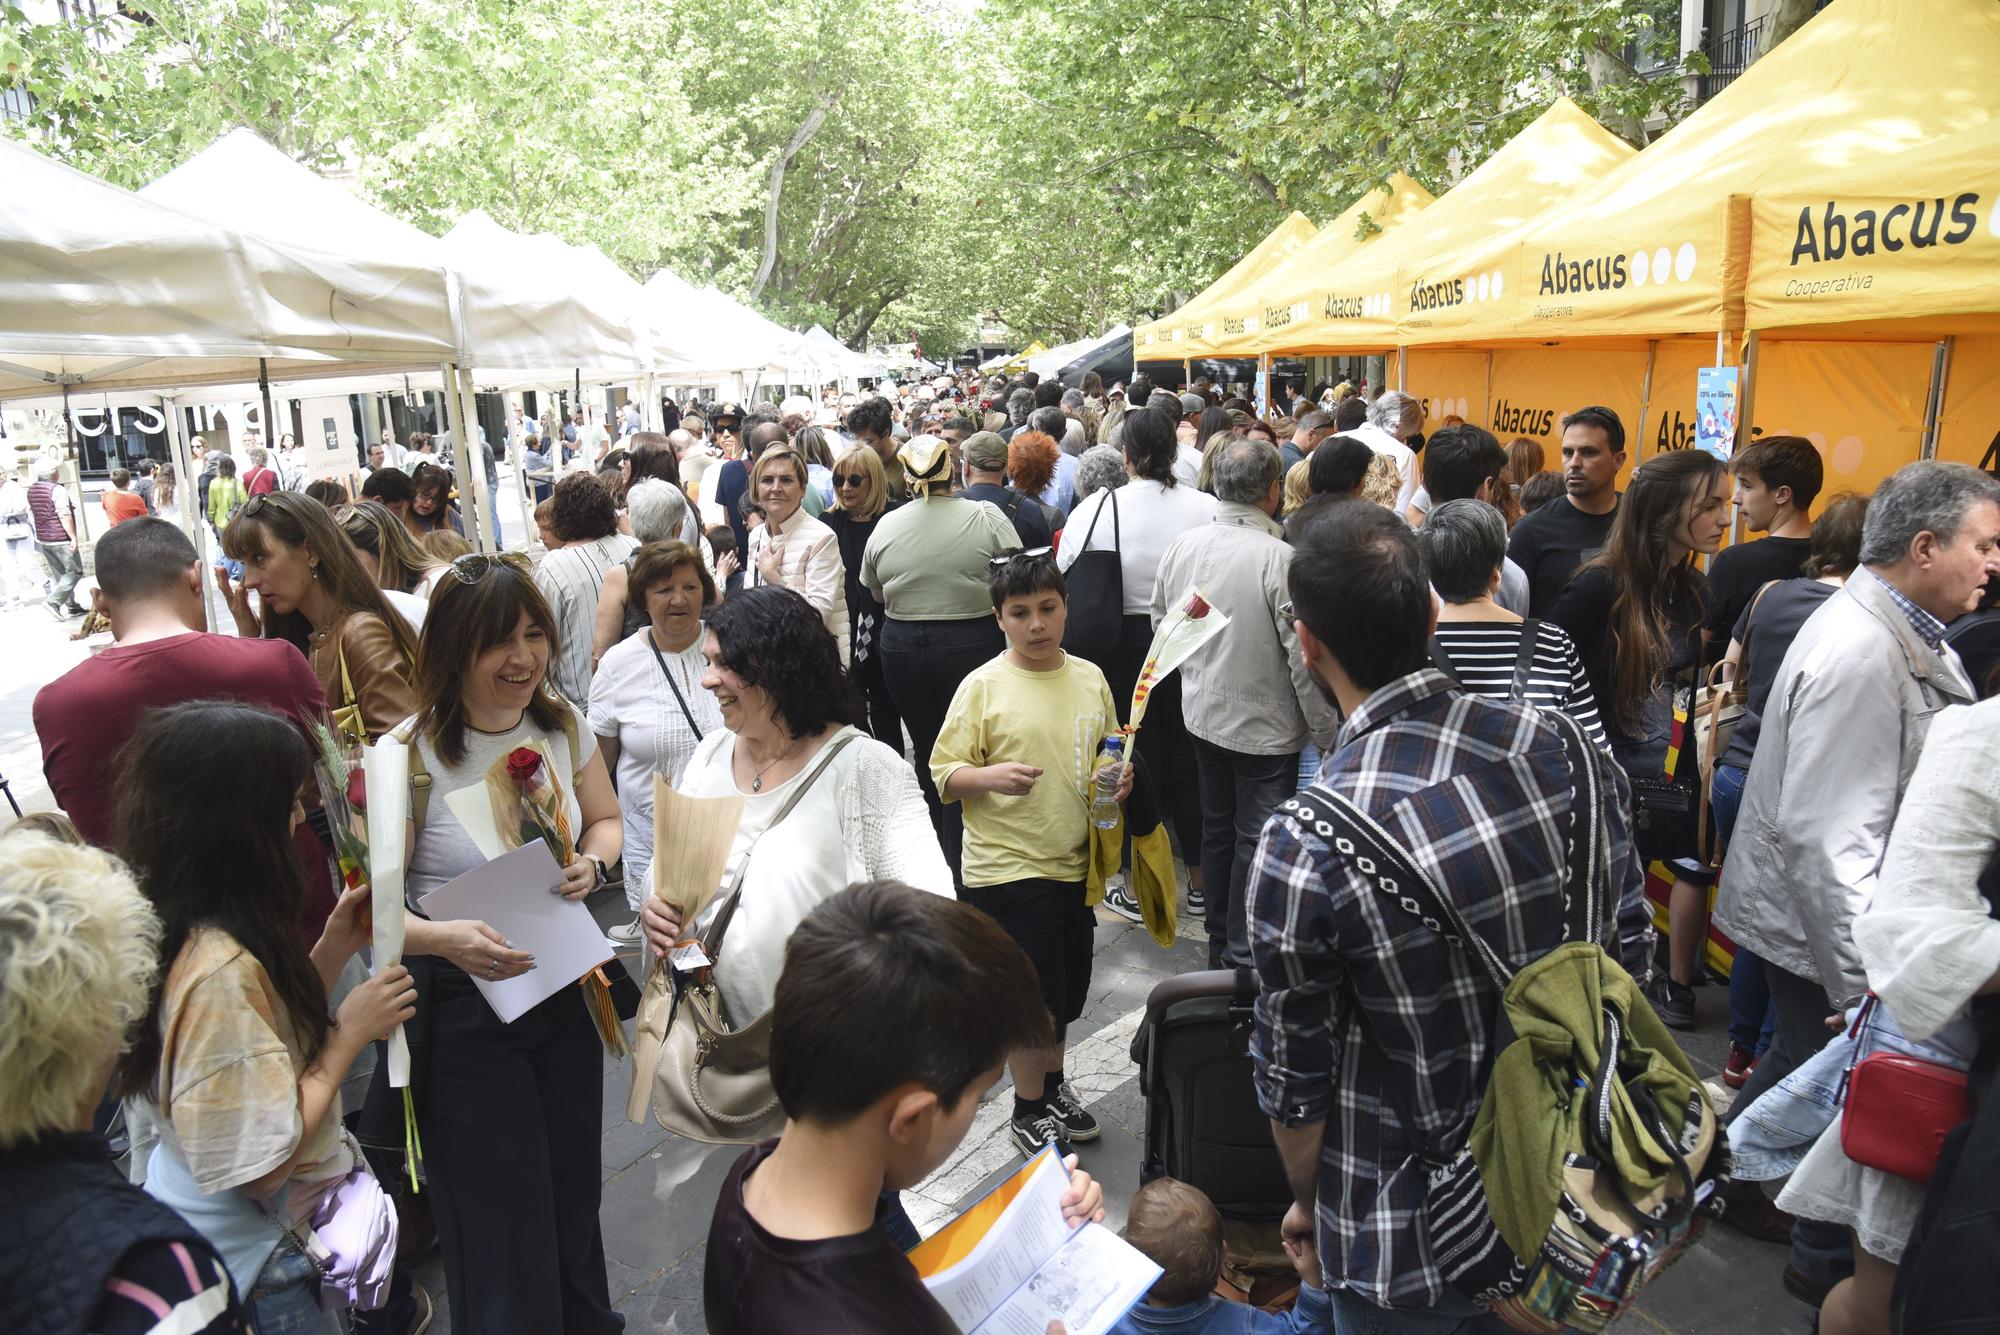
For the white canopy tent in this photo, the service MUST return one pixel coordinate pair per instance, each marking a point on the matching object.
(102, 289)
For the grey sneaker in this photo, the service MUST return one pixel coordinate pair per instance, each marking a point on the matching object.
(625, 935)
(1077, 1123)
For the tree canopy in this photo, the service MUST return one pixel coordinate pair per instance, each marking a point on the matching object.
(890, 170)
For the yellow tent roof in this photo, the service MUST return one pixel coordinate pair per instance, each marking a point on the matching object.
(1362, 302)
(1909, 236)
(1157, 339)
(1659, 245)
(1012, 361)
(1238, 321)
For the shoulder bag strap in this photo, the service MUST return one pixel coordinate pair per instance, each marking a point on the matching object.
(1443, 664)
(1524, 659)
(1583, 905)
(679, 699)
(1117, 534)
(1739, 685)
(712, 942)
(420, 777)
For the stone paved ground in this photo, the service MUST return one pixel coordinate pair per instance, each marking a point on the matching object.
(659, 1189)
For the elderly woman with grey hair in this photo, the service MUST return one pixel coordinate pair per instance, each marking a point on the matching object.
(657, 511)
(1484, 647)
(1100, 467)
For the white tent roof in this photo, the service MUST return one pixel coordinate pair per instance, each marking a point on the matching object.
(849, 362)
(547, 285)
(99, 286)
(732, 338)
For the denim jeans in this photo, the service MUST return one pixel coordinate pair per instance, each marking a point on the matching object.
(1752, 1018)
(1238, 792)
(923, 662)
(285, 1298)
(1354, 1315)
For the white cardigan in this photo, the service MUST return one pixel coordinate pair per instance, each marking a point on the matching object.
(864, 819)
(809, 564)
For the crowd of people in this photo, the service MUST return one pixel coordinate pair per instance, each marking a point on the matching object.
(899, 629)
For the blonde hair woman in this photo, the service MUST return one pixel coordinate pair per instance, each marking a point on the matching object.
(404, 571)
(860, 498)
(1298, 487)
(1381, 483)
(78, 955)
(790, 547)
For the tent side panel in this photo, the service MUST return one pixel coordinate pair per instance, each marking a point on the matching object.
(1969, 426)
(1861, 404)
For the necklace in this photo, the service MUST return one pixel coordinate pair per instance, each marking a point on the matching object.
(757, 780)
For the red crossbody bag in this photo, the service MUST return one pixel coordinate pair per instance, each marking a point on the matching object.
(1896, 1110)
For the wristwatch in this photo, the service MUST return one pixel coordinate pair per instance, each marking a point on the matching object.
(602, 871)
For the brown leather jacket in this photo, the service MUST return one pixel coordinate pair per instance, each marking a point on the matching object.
(383, 681)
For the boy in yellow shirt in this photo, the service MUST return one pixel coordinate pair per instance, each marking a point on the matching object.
(1017, 750)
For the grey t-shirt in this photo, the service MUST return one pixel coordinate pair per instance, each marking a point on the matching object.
(443, 850)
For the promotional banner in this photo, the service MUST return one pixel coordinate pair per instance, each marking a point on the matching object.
(1535, 388)
(1449, 383)
(1861, 404)
(1905, 236)
(1715, 405)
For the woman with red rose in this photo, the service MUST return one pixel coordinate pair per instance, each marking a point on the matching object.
(510, 1114)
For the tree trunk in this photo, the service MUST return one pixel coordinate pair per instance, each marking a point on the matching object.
(1605, 68)
(1786, 19)
(776, 189)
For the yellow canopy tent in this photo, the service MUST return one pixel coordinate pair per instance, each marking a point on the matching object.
(1363, 303)
(1891, 270)
(1240, 319)
(1638, 280)
(1186, 332)
(1012, 361)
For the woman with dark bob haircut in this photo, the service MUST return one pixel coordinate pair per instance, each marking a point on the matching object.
(789, 712)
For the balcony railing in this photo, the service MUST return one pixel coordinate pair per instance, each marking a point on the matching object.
(1729, 53)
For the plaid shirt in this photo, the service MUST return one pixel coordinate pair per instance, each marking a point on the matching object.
(1358, 994)
(1928, 628)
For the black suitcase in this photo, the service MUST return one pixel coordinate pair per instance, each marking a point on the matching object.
(1203, 1125)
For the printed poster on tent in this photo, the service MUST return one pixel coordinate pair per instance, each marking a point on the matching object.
(1715, 410)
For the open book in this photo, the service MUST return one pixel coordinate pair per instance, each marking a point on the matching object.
(1011, 1264)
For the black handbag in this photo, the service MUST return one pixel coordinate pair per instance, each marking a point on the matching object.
(1096, 581)
(1666, 808)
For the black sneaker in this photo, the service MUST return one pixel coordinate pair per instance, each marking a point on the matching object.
(1197, 899)
(1674, 1002)
(1077, 1123)
(1034, 1130)
(1121, 901)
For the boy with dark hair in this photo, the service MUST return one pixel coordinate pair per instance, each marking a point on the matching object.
(1177, 1227)
(1017, 749)
(1777, 480)
(894, 1010)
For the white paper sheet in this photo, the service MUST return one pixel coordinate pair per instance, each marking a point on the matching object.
(514, 895)
(1030, 1267)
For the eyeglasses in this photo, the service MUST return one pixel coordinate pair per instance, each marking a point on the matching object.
(850, 479)
(1026, 554)
(475, 566)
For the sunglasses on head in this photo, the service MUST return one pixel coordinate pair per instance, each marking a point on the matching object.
(475, 566)
(1025, 554)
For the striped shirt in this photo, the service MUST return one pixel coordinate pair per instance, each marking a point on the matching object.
(570, 578)
(1482, 655)
(1357, 993)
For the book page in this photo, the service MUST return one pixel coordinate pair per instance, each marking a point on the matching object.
(1011, 1263)
(1091, 1281)
(975, 1262)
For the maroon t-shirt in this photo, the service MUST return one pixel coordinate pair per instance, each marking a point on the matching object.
(85, 717)
(260, 481)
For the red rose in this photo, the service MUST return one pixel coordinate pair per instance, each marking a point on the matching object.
(522, 763)
(357, 789)
(1197, 607)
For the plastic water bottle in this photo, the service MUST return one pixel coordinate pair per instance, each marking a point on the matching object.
(1104, 812)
